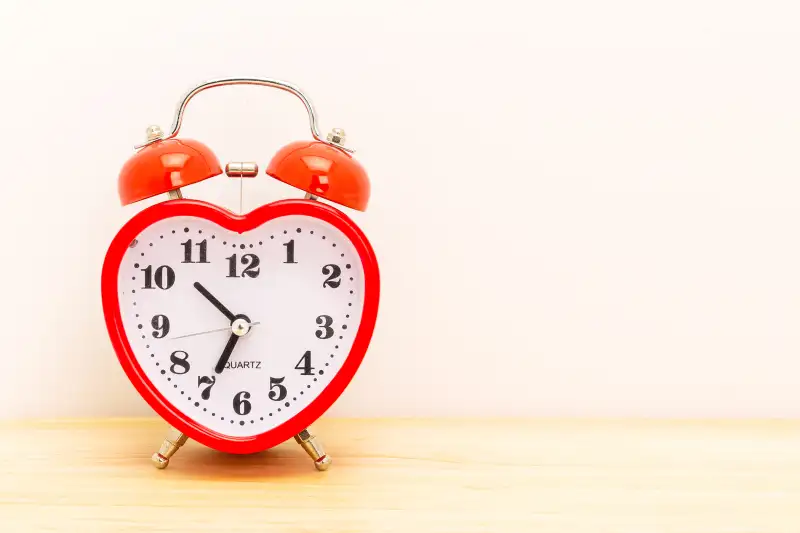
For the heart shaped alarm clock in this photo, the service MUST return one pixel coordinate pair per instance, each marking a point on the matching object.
(240, 330)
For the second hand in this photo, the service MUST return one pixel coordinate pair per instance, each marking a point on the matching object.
(210, 331)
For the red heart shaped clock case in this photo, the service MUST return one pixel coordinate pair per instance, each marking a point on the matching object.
(240, 224)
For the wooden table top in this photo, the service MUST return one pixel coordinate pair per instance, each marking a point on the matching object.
(410, 476)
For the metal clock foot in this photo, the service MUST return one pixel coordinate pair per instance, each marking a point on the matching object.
(172, 443)
(314, 449)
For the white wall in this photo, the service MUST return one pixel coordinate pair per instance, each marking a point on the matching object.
(580, 208)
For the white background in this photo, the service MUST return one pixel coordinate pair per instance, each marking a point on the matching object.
(580, 208)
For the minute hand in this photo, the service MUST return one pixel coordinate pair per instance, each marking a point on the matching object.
(216, 303)
(226, 353)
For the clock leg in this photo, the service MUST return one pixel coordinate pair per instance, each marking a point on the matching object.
(314, 449)
(172, 443)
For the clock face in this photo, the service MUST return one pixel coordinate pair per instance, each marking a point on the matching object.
(240, 332)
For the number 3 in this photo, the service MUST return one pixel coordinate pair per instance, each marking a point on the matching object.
(325, 331)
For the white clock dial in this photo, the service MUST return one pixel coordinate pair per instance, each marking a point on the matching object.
(295, 288)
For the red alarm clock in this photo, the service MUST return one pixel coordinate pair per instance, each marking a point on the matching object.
(240, 330)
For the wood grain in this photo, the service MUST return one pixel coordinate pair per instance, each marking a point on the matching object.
(411, 476)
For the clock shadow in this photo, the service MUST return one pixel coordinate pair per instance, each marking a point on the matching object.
(199, 462)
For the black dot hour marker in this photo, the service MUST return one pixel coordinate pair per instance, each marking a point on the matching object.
(173, 231)
(235, 246)
(224, 242)
(308, 386)
(315, 379)
(349, 305)
(342, 255)
(213, 236)
(199, 231)
(169, 379)
(134, 278)
(301, 392)
(160, 236)
(286, 404)
(241, 246)
(326, 364)
(323, 237)
(260, 243)
(183, 392)
(262, 418)
(186, 230)
(204, 409)
(163, 372)
(213, 414)
(334, 245)
(340, 337)
(337, 347)
(351, 292)
(137, 315)
(331, 356)
(251, 246)
(298, 230)
(241, 422)
(175, 386)
(285, 231)
(151, 244)
(142, 254)
(148, 346)
(279, 409)
(134, 291)
(252, 422)
(311, 232)
(347, 316)
(197, 404)
(344, 326)
(222, 418)
(270, 414)
(351, 279)
(294, 399)
(144, 337)
(140, 326)
(136, 265)
(347, 265)
(152, 355)
(321, 372)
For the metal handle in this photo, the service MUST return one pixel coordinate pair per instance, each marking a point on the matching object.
(266, 82)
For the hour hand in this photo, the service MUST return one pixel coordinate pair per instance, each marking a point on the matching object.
(216, 303)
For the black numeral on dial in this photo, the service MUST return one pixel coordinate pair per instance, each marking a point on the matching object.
(304, 365)
(160, 325)
(164, 277)
(179, 361)
(289, 252)
(325, 330)
(250, 263)
(277, 392)
(240, 404)
(187, 251)
(206, 380)
(334, 274)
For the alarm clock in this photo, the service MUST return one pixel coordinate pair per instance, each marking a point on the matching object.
(241, 329)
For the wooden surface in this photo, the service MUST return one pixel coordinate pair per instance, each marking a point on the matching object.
(411, 476)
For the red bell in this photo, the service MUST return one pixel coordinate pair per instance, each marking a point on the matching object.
(163, 166)
(322, 170)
